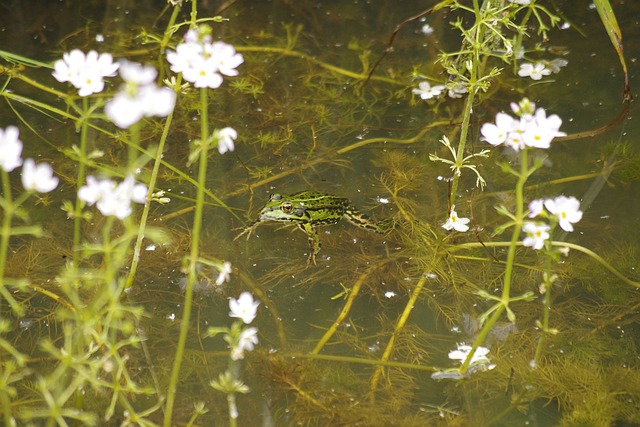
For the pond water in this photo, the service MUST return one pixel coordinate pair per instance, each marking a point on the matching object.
(364, 336)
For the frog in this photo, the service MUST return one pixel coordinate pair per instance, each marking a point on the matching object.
(309, 209)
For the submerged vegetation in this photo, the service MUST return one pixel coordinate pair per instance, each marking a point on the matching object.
(132, 162)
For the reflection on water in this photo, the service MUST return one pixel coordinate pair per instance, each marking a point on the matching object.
(353, 340)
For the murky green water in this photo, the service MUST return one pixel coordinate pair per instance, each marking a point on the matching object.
(307, 120)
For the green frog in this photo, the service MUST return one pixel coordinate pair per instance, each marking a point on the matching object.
(308, 209)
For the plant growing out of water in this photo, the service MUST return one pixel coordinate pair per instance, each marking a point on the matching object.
(531, 130)
(240, 339)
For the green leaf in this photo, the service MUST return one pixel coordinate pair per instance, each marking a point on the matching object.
(613, 30)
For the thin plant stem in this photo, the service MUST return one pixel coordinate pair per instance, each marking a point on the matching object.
(511, 255)
(193, 258)
(401, 322)
(468, 106)
(147, 205)
(77, 216)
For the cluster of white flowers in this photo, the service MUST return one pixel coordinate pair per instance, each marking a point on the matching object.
(532, 129)
(203, 62)
(246, 309)
(139, 96)
(85, 72)
(111, 198)
(35, 177)
(565, 210)
(426, 91)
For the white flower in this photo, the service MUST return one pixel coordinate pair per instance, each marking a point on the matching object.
(536, 207)
(226, 136)
(202, 62)
(521, 2)
(11, 148)
(455, 223)
(85, 72)
(246, 341)
(38, 177)
(556, 64)
(540, 130)
(139, 97)
(113, 199)
(496, 134)
(537, 234)
(461, 354)
(457, 91)
(225, 271)
(535, 71)
(426, 91)
(567, 209)
(226, 58)
(244, 307)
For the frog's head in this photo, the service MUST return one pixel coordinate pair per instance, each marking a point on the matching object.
(279, 208)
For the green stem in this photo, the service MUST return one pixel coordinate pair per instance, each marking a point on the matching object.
(468, 106)
(547, 303)
(511, 255)
(169, 32)
(77, 217)
(147, 205)
(6, 228)
(193, 258)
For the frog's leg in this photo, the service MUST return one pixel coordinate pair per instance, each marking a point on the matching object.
(314, 241)
(362, 220)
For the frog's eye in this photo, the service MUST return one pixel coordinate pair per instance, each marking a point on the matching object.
(286, 207)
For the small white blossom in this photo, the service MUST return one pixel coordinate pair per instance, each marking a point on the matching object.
(537, 234)
(38, 178)
(456, 223)
(426, 91)
(457, 91)
(556, 64)
(225, 272)
(536, 207)
(113, 199)
(521, 2)
(139, 96)
(567, 209)
(496, 134)
(247, 341)
(226, 136)
(461, 354)
(85, 72)
(535, 71)
(244, 307)
(11, 148)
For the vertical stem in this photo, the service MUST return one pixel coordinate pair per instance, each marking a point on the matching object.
(547, 303)
(193, 258)
(468, 106)
(511, 255)
(147, 205)
(6, 228)
(77, 217)
(401, 322)
(168, 32)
